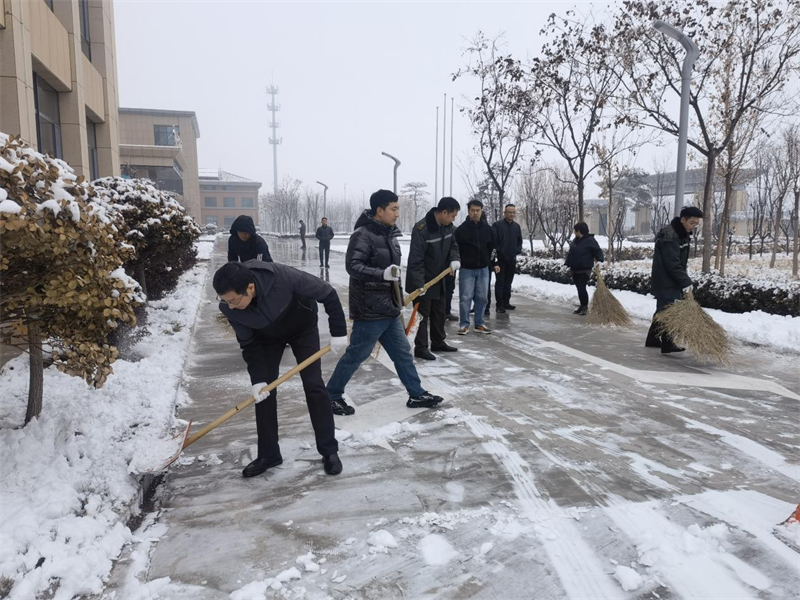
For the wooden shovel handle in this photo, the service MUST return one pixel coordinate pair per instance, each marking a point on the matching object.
(416, 293)
(241, 406)
(399, 293)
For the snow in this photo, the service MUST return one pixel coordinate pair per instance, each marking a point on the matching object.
(257, 590)
(436, 550)
(629, 579)
(67, 492)
(9, 206)
(382, 539)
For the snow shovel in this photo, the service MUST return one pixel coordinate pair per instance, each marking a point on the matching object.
(186, 441)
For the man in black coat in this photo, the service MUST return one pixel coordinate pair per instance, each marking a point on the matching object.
(583, 251)
(270, 305)
(476, 244)
(669, 279)
(373, 263)
(302, 235)
(324, 235)
(245, 244)
(509, 244)
(433, 249)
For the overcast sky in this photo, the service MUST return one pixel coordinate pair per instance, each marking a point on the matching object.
(355, 79)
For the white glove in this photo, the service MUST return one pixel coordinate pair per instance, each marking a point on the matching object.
(257, 392)
(687, 289)
(455, 265)
(391, 273)
(338, 344)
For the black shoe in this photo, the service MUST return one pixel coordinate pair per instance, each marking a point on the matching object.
(583, 310)
(668, 347)
(424, 353)
(451, 317)
(500, 309)
(426, 400)
(259, 465)
(342, 408)
(577, 311)
(652, 341)
(321, 266)
(443, 347)
(332, 464)
(327, 266)
(472, 310)
(486, 313)
(510, 307)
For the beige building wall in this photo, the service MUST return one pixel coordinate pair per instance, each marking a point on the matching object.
(216, 194)
(37, 39)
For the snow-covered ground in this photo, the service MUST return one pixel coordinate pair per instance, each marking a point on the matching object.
(67, 486)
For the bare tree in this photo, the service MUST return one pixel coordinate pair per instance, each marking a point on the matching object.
(313, 199)
(660, 209)
(759, 206)
(792, 141)
(531, 189)
(558, 210)
(783, 183)
(417, 193)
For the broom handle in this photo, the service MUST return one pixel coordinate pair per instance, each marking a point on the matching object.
(398, 292)
(417, 293)
(411, 320)
(242, 405)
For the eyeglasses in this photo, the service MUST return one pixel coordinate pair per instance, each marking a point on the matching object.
(231, 303)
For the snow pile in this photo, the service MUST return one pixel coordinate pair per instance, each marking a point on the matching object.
(381, 541)
(66, 490)
(257, 590)
(436, 550)
(628, 578)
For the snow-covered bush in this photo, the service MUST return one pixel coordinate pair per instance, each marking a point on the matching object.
(157, 226)
(624, 253)
(61, 257)
(730, 294)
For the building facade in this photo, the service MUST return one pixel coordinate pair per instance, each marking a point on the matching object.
(225, 196)
(161, 145)
(58, 81)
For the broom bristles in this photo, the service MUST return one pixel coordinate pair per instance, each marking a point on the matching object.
(688, 324)
(605, 309)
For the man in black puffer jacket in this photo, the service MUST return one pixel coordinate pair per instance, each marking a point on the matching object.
(245, 244)
(324, 235)
(669, 279)
(583, 251)
(373, 263)
(476, 245)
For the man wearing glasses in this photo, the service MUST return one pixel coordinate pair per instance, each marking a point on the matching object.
(270, 306)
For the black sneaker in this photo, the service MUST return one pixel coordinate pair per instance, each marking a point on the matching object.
(342, 408)
(426, 400)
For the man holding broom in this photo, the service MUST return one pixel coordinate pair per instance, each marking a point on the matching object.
(373, 263)
(669, 279)
(270, 305)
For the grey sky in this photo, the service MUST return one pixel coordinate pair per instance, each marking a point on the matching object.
(355, 79)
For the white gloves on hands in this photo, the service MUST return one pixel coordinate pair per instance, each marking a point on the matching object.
(687, 289)
(338, 344)
(257, 387)
(391, 273)
(455, 265)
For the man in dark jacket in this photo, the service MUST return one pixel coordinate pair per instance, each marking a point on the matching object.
(373, 263)
(433, 249)
(509, 244)
(476, 243)
(270, 305)
(669, 279)
(324, 235)
(302, 235)
(245, 244)
(583, 251)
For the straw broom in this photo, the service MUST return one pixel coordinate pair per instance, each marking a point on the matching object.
(688, 324)
(605, 309)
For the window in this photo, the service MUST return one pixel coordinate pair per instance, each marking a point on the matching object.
(86, 39)
(211, 219)
(166, 135)
(48, 118)
(247, 203)
(208, 188)
(229, 202)
(225, 188)
(210, 202)
(91, 134)
(229, 221)
(177, 168)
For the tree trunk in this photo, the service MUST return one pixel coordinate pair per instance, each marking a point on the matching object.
(722, 242)
(707, 212)
(776, 227)
(796, 241)
(609, 232)
(36, 385)
(580, 200)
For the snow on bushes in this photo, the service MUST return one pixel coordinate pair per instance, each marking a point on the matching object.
(729, 294)
(157, 226)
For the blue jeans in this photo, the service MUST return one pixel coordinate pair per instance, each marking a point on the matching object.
(390, 333)
(473, 285)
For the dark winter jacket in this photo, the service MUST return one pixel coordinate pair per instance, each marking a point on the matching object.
(302, 229)
(325, 234)
(254, 248)
(285, 304)
(671, 255)
(509, 240)
(433, 248)
(582, 253)
(373, 247)
(476, 242)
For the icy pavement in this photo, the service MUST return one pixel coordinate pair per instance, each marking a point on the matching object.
(566, 462)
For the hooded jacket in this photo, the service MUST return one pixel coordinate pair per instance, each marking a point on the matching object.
(583, 251)
(476, 242)
(372, 248)
(670, 260)
(433, 248)
(254, 248)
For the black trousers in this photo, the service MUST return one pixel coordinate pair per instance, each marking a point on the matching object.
(502, 289)
(432, 312)
(581, 280)
(450, 286)
(654, 334)
(324, 251)
(303, 344)
(302, 240)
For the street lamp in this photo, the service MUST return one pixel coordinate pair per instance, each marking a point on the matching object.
(692, 52)
(324, 199)
(396, 164)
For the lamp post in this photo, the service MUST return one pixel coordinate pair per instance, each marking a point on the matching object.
(324, 199)
(396, 164)
(692, 52)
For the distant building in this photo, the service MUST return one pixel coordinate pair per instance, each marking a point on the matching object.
(225, 196)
